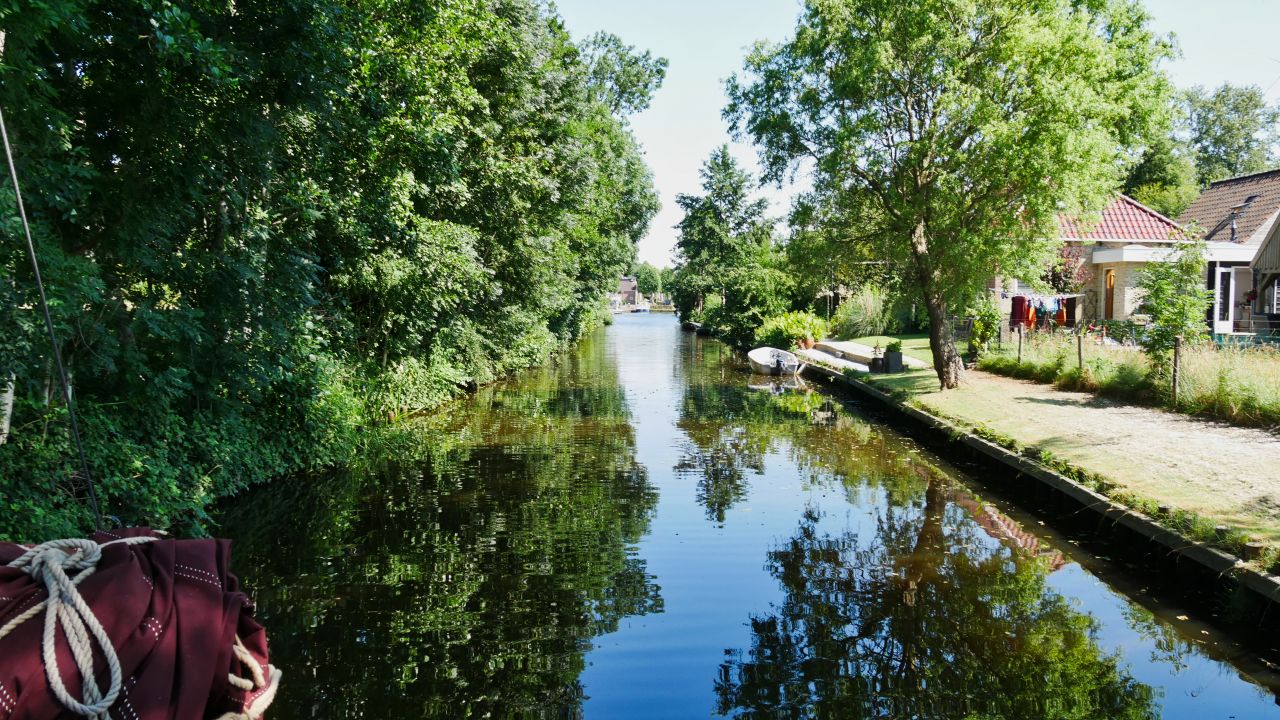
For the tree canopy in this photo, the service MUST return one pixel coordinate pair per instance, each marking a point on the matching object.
(950, 134)
(1165, 176)
(648, 279)
(727, 270)
(1232, 129)
(265, 225)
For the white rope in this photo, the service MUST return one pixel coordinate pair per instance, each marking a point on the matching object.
(268, 684)
(258, 706)
(49, 564)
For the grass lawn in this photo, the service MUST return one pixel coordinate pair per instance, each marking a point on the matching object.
(1147, 454)
(1239, 385)
(916, 346)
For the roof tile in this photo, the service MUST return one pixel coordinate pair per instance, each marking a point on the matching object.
(1215, 203)
(1124, 219)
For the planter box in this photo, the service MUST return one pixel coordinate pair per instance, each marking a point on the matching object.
(892, 362)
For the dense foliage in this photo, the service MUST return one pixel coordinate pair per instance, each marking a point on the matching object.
(1164, 178)
(730, 274)
(1174, 295)
(1233, 130)
(789, 329)
(263, 225)
(931, 128)
(648, 279)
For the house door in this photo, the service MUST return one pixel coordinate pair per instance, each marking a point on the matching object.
(1224, 305)
(1109, 302)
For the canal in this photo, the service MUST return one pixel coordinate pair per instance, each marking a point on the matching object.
(643, 530)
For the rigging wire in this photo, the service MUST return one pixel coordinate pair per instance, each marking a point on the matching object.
(48, 323)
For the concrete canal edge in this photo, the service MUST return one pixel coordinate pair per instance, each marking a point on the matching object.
(1173, 548)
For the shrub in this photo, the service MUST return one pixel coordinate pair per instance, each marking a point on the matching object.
(1240, 385)
(788, 329)
(894, 346)
(868, 312)
(986, 325)
(1174, 295)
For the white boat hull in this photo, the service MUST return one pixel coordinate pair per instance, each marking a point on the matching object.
(772, 361)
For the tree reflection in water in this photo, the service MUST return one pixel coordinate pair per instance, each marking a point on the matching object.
(464, 571)
(924, 619)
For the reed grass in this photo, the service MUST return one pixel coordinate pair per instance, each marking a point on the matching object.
(1235, 384)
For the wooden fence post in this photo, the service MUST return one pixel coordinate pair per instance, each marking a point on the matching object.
(1019, 344)
(1177, 366)
(1080, 352)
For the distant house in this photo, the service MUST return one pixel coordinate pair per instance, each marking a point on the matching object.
(1128, 236)
(628, 291)
(1105, 261)
(1238, 219)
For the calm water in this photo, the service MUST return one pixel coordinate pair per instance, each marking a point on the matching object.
(636, 532)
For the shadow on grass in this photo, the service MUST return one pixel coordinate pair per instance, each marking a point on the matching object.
(1089, 402)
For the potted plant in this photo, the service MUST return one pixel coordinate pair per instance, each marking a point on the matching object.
(893, 357)
(877, 361)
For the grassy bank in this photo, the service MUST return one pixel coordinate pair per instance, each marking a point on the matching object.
(1190, 476)
(1239, 385)
(913, 345)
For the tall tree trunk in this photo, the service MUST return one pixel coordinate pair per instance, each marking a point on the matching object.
(6, 409)
(946, 359)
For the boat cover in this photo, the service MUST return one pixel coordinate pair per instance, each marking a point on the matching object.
(173, 612)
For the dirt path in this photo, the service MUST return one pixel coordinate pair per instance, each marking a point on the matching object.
(1228, 474)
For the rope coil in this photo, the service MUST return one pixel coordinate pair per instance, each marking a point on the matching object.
(49, 564)
(60, 566)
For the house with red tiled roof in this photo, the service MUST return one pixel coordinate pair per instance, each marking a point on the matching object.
(1105, 259)
(1239, 219)
(1127, 237)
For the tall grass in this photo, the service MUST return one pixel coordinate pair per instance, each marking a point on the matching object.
(1239, 385)
(868, 312)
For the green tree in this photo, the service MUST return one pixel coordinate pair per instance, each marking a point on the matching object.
(725, 253)
(950, 134)
(621, 78)
(648, 279)
(1233, 130)
(1174, 295)
(1164, 179)
(665, 278)
(264, 225)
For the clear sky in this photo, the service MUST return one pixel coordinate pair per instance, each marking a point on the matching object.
(1234, 41)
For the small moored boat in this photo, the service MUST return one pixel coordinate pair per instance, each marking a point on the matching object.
(642, 306)
(772, 361)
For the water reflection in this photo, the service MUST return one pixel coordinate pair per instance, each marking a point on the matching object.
(921, 619)
(503, 559)
(465, 573)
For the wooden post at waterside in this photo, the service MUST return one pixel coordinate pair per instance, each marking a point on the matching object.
(1019, 344)
(1177, 366)
(1080, 352)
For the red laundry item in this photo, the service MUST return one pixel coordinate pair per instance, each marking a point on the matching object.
(1019, 310)
(174, 613)
(1061, 316)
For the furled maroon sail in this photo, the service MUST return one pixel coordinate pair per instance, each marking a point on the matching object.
(175, 618)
